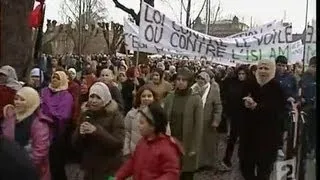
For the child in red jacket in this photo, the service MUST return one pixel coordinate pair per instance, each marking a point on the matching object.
(157, 156)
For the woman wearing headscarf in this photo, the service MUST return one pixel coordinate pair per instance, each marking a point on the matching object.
(57, 104)
(9, 85)
(25, 124)
(100, 135)
(212, 110)
(184, 112)
(260, 133)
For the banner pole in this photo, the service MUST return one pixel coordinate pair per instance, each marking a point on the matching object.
(305, 37)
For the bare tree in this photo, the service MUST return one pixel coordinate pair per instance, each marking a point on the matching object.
(82, 15)
(113, 35)
(136, 17)
(90, 11)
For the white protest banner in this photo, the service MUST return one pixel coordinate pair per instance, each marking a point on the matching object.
(259, 30)
(131, 37)
(156, 28)
(296, 52)
(296, 48)
(132, 42)
(131, 33)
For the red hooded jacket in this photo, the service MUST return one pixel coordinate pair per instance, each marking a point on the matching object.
(157, 159)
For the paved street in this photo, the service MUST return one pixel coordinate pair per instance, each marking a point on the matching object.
(74, 173)
(232, 175)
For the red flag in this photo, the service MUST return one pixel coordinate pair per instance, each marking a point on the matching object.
(35, 17)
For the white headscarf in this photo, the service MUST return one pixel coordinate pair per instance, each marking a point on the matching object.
(73, 73)
(100, 89)
(32, 99)
(272, 71)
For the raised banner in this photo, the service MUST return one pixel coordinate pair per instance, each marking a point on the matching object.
(259, 30)
(157, 29)
(132, 42)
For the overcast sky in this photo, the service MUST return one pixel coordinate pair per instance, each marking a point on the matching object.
(261, 11)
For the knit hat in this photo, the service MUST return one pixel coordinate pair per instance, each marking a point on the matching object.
(272, 71)
(205, 76)
(32, 100)
(100, 89)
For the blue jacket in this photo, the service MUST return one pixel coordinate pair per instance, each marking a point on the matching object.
(288, 83)
(308, 86)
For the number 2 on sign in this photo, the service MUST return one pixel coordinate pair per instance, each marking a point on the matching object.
(286, 170)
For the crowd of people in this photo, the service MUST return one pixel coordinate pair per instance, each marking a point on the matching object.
(159, 120)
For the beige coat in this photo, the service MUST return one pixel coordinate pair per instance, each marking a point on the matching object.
(133, 135)
(211, 113)
(192, 129)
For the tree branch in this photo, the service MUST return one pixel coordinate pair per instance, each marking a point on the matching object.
(125, 9)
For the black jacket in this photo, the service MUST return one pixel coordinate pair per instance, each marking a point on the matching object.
(261, 129)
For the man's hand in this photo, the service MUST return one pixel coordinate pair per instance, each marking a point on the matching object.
(249, 103)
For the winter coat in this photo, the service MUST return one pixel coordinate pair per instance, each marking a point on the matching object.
(233, 99)
(157, 159)
(212, 112)
(102, 150)
(288, 84)
(74, 90)
(133, 135)
(39, 140)
(192, 128)
(262, 128)
(57, 106)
